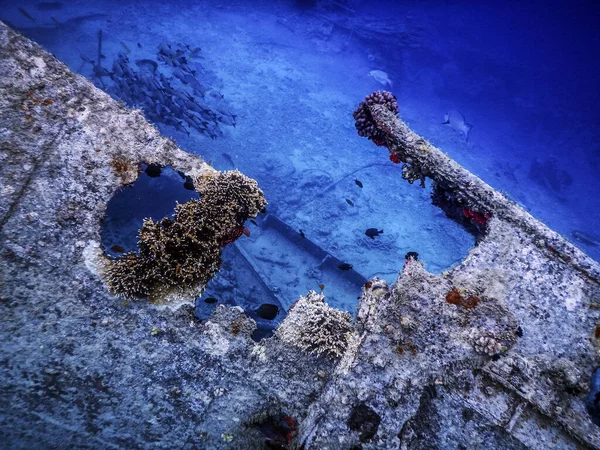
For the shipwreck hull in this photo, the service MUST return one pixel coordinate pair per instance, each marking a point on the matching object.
(498, 352)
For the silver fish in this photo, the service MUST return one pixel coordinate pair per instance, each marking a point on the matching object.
(87, 60)
(457, 122)
(124, 45)
(586, 238)
(381, 77)
(194, 52)
(26, 14)
(117, 69)
(147, 64)
(165, 49)
(179, 75)
(227, 120)
(192, 81)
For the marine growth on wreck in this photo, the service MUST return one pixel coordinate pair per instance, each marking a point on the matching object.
(311, 224)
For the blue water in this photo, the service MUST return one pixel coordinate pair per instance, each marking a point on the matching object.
(282, 80)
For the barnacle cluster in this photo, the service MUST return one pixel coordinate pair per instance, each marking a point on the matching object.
(184, 253)
(364, 123)
(314, 327)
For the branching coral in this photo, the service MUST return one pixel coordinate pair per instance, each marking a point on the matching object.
(314, 327)
(184, 253)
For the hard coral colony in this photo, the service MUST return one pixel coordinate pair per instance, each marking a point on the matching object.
(185, 252)
(314, 327)
(364, 122)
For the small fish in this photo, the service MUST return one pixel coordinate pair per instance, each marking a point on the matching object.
(381, 77)
(179, 75)
(254, 222)
(301, 233)
(228, 158)
(210, 300)
(87, 60)
(358, 183)
(227, 120)
(117, 249)
(457, 122)
(350, 202)
(267, 311)
(100, 71)
(215, 94)
(586, 238)
(193, 82)
(56, 22)
(321, 286)
(187, 69)
(189, 183)
(125, 47)
(372, 232)
(246, 231)
(26, 14)
(345, 266)
(147, 64)
(153, 170)
(412, 255)
(139, 45)
(194, 52)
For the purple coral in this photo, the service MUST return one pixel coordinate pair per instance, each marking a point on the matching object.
(365, 124)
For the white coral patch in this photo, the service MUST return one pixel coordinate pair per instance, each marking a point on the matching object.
(38, 70)
(216, 343)
(7, 190)
(93, 258)
(572, 293)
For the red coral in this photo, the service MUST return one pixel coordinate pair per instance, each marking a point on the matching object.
(235, 234)
(478, 218)
(470, 302)
(293, 424)
(454, 297)
(394, 158)
(378, 142)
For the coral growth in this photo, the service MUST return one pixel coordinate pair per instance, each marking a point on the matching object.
(274, 431)
(477, 217)
(184, 253)
(474, 217)
(365, 124)
(455, 297)
(410, 173)
(314, 327)
(487, 346)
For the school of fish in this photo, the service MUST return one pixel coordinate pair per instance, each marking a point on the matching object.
(167, 90)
